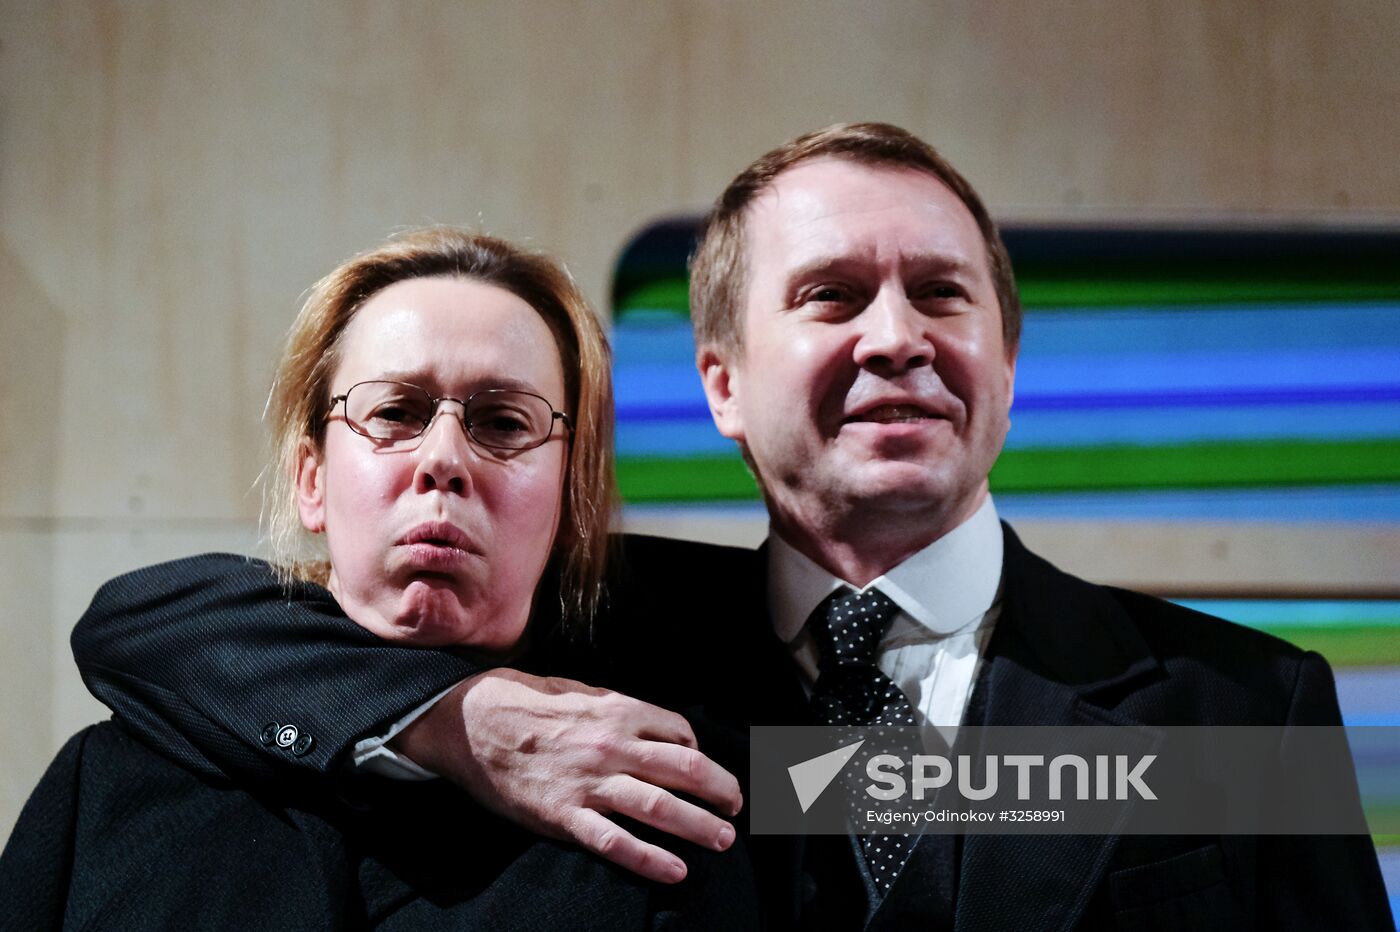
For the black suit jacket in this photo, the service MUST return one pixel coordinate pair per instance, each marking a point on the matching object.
(1067, 652)
(226, 828)
(118, 837)
(200, 655)
(200, 669)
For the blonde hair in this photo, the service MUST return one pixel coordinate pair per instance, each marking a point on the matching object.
(719, 268)
(301, 392)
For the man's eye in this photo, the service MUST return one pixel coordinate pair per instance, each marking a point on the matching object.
(940, 291)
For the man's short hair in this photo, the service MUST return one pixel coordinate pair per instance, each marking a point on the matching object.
(719, 269)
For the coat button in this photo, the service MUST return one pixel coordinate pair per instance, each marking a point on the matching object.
(287, 736)
(304, 745)
(269, 733)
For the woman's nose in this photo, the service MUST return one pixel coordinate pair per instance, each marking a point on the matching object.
(445, 455)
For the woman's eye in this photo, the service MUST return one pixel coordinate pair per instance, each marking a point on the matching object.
(501, 419)
(827, 294)
(506, 423)
(395, 413)
(388, 413)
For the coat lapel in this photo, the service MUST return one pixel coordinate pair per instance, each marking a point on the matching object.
(1060, 649)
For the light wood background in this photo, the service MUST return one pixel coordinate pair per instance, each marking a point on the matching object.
(174, 174)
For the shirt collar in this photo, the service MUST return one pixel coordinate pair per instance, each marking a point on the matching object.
(944, 587)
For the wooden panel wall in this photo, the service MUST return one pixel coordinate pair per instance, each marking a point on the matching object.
(173, 175)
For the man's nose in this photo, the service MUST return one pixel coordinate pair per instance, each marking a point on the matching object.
(445, 453)
(894, 335)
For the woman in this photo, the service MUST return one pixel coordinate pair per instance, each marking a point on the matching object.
(442, 419)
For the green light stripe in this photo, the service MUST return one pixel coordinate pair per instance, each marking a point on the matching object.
(1075, 469)
(1361, 646)
(708, 478)
(667, 294)
(1384, 816)
(1050, 292)
(1201, 465)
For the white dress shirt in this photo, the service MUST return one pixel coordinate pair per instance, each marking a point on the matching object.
(373, 755)
(948, 596)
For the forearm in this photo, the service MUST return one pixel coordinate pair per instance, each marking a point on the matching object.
(198, 657)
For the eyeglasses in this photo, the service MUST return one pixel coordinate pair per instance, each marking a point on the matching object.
(496, 418)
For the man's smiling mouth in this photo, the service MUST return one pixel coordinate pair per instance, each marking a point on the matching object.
(893, 414)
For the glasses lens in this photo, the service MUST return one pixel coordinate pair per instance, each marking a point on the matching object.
(509, 420)
(388, 410)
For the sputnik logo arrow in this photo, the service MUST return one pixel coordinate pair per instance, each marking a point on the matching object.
(811, 777)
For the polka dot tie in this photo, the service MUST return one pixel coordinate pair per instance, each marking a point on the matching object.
(851, 690)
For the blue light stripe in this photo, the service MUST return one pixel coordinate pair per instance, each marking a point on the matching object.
(1374, 719)
(1034, 426)
(670, 391)
(681, 412)
(666, 342)
(655, 367)
(1081, 383)
(1264, 328)
(676, 430)
(1303, 613)
(1146, 427)
(1310, 414)
(1208, 371)
(1369, 695)
(1186, 329)
(671, 438)
(1390, 875)
(1211, 398)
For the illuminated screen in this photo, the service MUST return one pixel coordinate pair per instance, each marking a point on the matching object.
(1162, 374)
(1215, 374)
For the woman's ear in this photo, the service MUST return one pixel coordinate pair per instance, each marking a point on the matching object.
(311, 490)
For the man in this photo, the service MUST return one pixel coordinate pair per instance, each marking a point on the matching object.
(857, 327)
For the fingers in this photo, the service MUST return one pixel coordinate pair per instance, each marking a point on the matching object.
(661, 809)
(559, 757)
(608, 840)
(668, 755)
(687, 770)
(659, 724)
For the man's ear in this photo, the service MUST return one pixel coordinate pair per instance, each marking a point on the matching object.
(721, 382)
(311, 489)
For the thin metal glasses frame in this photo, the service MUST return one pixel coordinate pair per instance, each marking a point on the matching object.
(436, 401)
